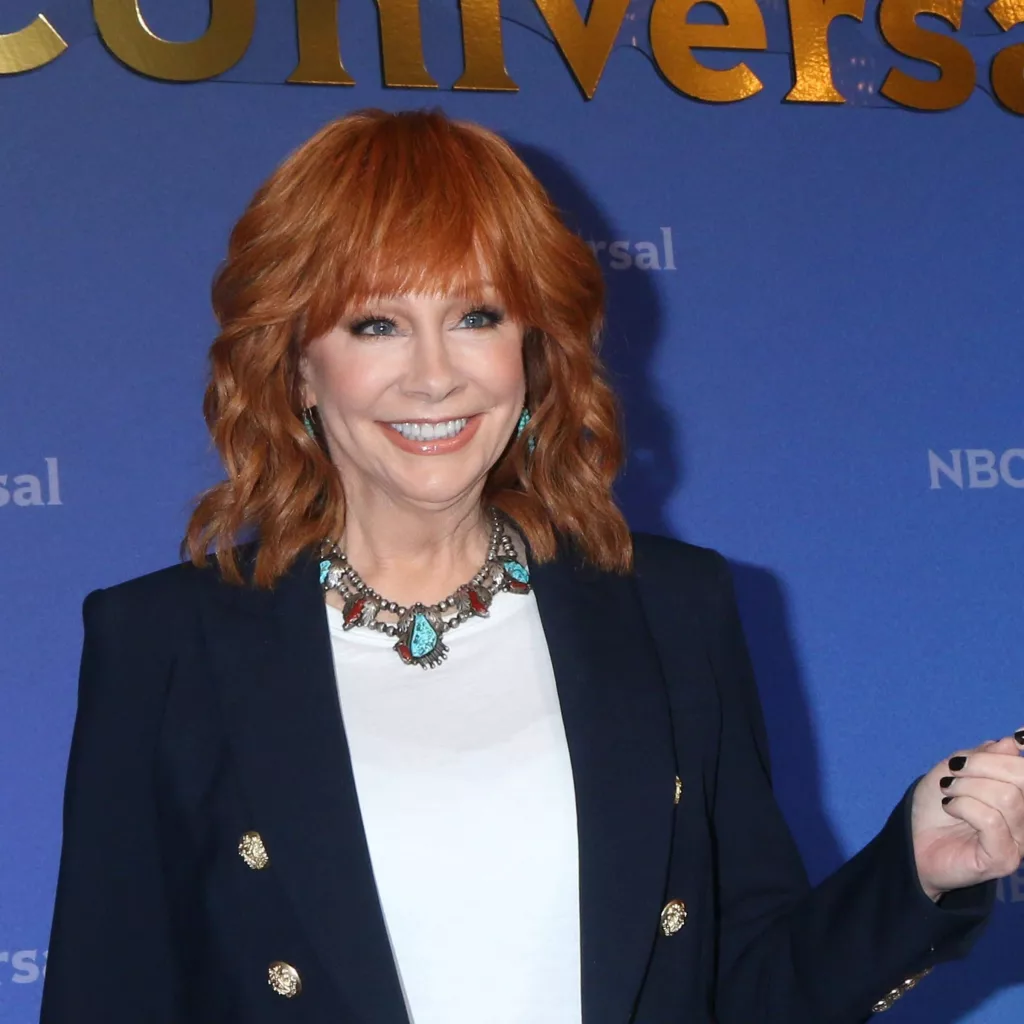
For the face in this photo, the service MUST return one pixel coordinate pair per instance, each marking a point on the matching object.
(418, 396)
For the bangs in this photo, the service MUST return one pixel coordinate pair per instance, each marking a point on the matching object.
(425, 206)
(435, 264)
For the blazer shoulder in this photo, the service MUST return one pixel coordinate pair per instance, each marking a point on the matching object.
(151, 592)
(165, 596)
(139, 610)
(170, 597)
(686, 566)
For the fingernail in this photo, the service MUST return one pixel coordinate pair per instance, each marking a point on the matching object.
(946, 782)
(957, 763)
(1019, 736)
(945, 800)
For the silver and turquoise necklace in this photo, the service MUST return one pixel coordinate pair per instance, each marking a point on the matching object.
(418, 629)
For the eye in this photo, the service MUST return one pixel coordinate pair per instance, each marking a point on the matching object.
(480, 317)
(373, 326)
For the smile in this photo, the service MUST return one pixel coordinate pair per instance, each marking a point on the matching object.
(430, 431)
(445, 437)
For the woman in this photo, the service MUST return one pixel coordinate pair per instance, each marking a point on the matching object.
(445, 743)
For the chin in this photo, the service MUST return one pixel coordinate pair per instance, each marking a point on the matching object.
(441, 492)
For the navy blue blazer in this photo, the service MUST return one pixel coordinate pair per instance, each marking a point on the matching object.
(208, 710)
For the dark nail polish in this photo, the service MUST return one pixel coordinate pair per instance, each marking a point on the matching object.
(956, 764)
(1019, 736)
(946, 782)
(945, 800)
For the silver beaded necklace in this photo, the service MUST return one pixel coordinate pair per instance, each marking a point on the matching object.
(419, 628)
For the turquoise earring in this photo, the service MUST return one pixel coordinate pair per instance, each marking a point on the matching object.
(307, 422)
(524, 419)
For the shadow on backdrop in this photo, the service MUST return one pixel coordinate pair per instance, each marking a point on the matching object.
(654, 471)
(795, 755)
(633, 330)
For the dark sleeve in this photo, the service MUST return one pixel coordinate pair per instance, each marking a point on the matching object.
(788, 952)
(111, 957)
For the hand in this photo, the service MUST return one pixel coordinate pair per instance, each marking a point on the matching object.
(968, 817)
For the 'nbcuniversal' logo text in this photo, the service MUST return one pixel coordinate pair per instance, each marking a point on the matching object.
(623, 254)
(1011, 888)
(23, 966)
(27, 489)
(984, 468)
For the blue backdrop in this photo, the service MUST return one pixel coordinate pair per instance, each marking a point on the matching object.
(819, 354)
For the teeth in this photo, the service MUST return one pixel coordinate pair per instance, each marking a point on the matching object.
(430, 431)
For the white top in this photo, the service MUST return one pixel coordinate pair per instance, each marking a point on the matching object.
(466, 794)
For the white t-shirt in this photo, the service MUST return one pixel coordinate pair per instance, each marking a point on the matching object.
(467, 799)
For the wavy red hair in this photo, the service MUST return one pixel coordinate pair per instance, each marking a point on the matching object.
(379, 204)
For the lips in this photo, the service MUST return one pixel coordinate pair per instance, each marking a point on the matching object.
(452, 440)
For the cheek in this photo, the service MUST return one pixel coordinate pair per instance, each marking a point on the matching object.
(501, 370)
(348, 380)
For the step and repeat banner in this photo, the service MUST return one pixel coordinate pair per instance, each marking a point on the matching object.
(810, 215)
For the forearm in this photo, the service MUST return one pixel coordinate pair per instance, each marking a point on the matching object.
(843, 946)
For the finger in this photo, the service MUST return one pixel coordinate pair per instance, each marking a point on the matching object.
(1005, 745)
(988, 764)
(1001, 851)
(988, 746)
(1003, 797)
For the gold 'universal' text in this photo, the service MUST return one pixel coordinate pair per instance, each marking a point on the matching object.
(584, 43)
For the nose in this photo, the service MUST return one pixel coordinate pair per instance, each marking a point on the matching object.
(431, 374)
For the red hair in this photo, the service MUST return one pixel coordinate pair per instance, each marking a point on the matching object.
(379, 204)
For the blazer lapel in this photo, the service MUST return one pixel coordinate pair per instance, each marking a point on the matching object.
(618, 727)
(273, 657)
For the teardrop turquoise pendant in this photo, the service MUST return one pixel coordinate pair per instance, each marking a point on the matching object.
(421, 642)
